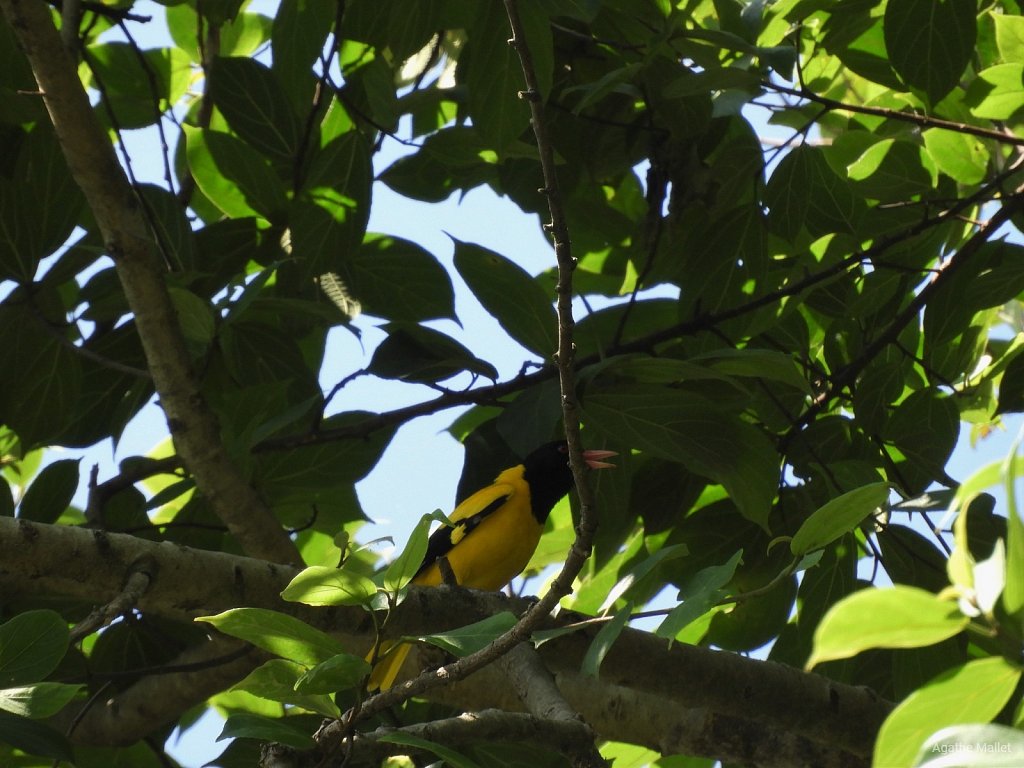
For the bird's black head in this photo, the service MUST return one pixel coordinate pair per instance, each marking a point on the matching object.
(547, 471)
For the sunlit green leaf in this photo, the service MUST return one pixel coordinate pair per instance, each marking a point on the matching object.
(278, 633)
(898, 617)
(974, 692)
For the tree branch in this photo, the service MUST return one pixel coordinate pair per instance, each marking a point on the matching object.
(922, 121)
(131, 243)
(640, 671)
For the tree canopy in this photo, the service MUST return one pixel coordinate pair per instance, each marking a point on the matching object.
(783, 339)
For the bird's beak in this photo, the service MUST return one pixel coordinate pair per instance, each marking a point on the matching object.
(595, 459)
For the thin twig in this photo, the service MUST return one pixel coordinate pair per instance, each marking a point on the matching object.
(140, 575)
(924, 121)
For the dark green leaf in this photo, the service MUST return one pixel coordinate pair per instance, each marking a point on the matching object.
(337, 673)
(174, 235)
(449, 160)
(604, 641)
(399, 280)
(473, 637)
(256, 107)
(40, 378)
(39, 205)
(34, 738)
(805, 192)
(514, 298)
(299, 32)
(930, 42)
(329, 219)
(420, 354)
(924, 428)
(31, 646)
(314, 473)
(51, 492)
(243, 725)
(448, 755)
(493, 74)
(689, 429)
(1011, 387)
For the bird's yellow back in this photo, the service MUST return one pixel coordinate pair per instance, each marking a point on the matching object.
(502, 542)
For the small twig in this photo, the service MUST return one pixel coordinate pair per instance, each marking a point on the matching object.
(924, 121)
(141, 574)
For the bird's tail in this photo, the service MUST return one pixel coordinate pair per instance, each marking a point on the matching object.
(387, 667)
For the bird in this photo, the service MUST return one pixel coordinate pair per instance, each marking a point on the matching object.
(493, 535)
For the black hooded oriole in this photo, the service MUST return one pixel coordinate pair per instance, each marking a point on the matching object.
(494, 533)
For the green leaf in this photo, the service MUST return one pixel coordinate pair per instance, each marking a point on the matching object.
(32, 644)
(259, 184)
(420, 354)
(40, 378)
(321, 585)
(961, 157)
(406, 565)
(243, 725)
(473, 637)
(508, 293)
(172, 229)
(757, 363)
(198, 324)
(449, 756)
(699, 595)
(1009, 37)
(256, 107)
(278, 633)
(339, 183)
(34, 738)
(900, 617)
(604, 641)
(925, 428)
(992, 746)
(930, 42)
(399, 280)
(51, 492)
(338, 673)
(491, 70)
(297, 40)
(314, 473)
(723, 254)
(39, 700)
(137, 92)
(997, 92)
(222, 191)
(974, 692)
(689, 429)
(277, 679)
(804, 191)
(838, 516)
(39, 205)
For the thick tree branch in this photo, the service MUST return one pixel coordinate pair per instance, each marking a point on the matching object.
(658, 685)
(488, 726)
(536, 688)
(130, 241)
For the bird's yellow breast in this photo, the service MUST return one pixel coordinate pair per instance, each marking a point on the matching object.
(499, 548)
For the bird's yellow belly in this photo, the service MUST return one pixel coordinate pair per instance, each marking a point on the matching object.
(492, 555)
